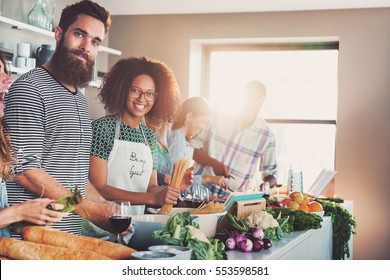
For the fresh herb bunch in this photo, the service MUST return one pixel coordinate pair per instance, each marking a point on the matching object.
(344, 226)
(297, 219)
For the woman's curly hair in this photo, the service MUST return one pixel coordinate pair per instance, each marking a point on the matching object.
(119, 79)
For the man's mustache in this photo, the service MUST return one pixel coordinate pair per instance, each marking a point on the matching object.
(81, 53)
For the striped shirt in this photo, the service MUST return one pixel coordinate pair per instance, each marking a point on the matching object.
(49, 122)
(249, 153)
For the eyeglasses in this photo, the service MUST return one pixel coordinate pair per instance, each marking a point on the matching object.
(150, 95)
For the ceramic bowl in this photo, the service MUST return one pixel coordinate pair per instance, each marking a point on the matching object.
(181, 252)
(153, 255)
(144, 225)
(207, 222)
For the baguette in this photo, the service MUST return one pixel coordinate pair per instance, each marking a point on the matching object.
(2, 258)
(59, 238)
(26, 250)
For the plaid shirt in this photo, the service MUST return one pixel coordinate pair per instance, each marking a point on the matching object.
(250, 153)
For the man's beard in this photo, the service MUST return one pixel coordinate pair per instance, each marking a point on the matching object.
(70, 70)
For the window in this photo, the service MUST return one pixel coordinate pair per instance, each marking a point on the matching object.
(301, 102)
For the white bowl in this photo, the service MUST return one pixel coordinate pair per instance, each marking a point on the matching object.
(144, 225)
(207, 222)
(153, 255)
(181, 252)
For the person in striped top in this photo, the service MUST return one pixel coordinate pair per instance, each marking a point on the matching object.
(243, 143)
(48, 118)
(33, 211)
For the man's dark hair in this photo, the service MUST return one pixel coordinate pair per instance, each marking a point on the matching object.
(71, 12)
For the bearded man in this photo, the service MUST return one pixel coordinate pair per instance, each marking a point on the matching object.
(49, 122)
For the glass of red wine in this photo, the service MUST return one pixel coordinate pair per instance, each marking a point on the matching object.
(120, 218)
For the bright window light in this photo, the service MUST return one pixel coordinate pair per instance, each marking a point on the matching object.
(301, 102)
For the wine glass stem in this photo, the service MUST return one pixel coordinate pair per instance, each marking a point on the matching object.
(119, 238)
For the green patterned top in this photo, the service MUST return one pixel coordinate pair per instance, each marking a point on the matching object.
(104, 135)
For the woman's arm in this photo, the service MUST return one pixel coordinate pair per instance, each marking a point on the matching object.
(163, 195)
(98, 172)
(33, 211)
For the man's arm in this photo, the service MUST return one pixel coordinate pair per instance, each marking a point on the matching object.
(93, 207)
(40, 183)
(204, 159)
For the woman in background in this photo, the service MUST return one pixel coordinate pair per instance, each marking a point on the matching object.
(33, 211)
(192, 117)
(164, 165)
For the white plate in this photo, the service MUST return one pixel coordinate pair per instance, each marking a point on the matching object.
(182, 253)
(153, 255)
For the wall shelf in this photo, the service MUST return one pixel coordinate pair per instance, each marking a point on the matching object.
(18, 70)
(21, 71)
(17, 25)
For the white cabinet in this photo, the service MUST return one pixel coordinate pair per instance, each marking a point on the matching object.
(15, 31)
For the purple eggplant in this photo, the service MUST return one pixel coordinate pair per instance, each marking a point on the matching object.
(257, 233)
(240, 237)
(245, 245)
(230, 243)
(234, 233)
(258, 244)
(267, 243)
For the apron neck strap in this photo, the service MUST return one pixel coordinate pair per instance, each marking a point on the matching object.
(118, 128)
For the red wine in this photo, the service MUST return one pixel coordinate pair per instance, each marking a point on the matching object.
(119, 223)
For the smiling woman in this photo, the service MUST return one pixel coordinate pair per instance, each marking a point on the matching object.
(123, 162)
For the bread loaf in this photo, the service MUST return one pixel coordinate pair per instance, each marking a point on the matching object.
(2, 258)
(59, 238)
(26, 250)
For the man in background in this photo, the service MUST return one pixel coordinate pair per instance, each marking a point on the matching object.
(48, 118)
(244, 144)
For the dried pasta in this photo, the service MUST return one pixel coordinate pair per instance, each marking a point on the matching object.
(209, 208)
(179, 169)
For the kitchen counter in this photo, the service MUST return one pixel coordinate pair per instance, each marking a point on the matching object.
(314, 244)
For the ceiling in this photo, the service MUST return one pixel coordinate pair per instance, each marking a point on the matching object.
(152, 7)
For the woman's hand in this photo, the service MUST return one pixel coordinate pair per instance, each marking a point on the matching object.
(35, 211)
(167, 179)
(167, 195)
(188, 178)
(220, 181)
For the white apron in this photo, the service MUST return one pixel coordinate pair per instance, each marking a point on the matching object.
(130, 166)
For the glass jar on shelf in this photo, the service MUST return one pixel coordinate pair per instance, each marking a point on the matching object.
(37, 16)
